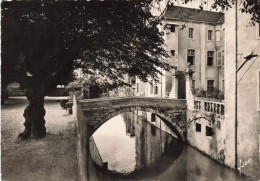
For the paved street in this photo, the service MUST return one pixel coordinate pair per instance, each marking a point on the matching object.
(50, 158)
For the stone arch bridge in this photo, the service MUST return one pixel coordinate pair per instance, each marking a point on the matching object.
(90, 114)
(95, 112)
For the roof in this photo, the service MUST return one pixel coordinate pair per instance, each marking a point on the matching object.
(189, 14)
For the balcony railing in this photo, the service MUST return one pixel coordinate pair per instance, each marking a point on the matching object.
(209, 106)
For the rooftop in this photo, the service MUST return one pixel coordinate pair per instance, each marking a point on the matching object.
(189, 14)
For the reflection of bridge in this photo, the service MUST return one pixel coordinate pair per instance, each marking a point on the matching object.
(92, 113)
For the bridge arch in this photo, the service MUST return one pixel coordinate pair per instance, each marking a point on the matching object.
(91, 114)
(165, 118)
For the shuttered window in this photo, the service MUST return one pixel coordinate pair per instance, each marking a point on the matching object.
(219, 58)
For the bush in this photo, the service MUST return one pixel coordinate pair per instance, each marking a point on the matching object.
(214, 93)
(199, 92)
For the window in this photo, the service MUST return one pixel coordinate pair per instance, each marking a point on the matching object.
(171, 27)
(156, 89)
(137, 87)
(172, 52)
(210, 85)
(209, 34)
(210, 58)
(152, 117)
(218, 35)
(219, 58)
(223, 86)
(209, 131)
(190, 32)
(193, 84)
(151, 88)
(191, 57)
(198, 127)
(223, 58)
(132, 79)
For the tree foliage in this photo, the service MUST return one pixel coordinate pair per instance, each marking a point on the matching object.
(43, 41)
(245, 6)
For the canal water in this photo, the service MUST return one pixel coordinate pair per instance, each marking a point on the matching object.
(139, 146)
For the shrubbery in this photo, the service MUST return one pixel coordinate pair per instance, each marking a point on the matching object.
(214, 93)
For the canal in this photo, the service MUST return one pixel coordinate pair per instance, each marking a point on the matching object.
(140, 146)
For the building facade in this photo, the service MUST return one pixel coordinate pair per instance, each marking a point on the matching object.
(192, 37)
(229, 131)
(223, 51)
(242, 113)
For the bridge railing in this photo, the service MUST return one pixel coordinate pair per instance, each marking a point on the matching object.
(131, 101)
(211, 106)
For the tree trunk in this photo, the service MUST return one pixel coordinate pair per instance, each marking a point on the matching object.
(4, 94)
(34, 116)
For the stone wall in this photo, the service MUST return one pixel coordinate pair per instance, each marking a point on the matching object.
(206, 125)
(206, 131)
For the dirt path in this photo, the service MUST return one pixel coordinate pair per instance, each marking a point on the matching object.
(51, 158)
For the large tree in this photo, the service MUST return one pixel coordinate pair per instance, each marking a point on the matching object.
(43, 41)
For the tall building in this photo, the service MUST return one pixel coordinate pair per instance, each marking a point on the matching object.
(192, 37)
(242, 92)
(229, 131)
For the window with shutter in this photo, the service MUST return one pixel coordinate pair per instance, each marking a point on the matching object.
(219, 58)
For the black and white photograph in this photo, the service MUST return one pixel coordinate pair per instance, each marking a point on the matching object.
(136, 90)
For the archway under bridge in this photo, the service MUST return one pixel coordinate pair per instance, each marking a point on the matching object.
(90, 114)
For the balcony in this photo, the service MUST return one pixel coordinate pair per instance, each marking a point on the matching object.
(209, 105)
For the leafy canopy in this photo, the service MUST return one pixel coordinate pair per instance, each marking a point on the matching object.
(43, 41)
(245, 6)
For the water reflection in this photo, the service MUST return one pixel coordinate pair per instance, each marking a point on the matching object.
(139, 145)
(134, 142)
